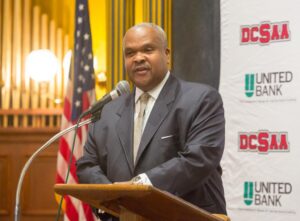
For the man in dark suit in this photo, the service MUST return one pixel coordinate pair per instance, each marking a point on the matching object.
(179, 144)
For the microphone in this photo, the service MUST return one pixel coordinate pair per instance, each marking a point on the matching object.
(121, 88)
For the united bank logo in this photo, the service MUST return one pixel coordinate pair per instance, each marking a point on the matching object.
(269, 194)
(265, 33)
(263, 142)
(248, 193)
(249, 84)
(267, 84)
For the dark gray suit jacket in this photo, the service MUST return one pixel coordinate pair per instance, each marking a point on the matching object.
(180, 149)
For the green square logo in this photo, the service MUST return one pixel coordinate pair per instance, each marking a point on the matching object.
(249, 84)
(248, 193)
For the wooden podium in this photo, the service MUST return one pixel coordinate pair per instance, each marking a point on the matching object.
(131, 202)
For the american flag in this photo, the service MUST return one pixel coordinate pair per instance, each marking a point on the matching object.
(79, 95)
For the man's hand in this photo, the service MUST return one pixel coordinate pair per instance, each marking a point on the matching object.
(141, 179)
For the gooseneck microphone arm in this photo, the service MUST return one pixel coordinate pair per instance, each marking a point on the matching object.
(36, 153)
(121, 88)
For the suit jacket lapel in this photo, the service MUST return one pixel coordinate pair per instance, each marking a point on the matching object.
(124, 128)
(158, 114)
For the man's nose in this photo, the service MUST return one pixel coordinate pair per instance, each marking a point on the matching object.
(139, 57)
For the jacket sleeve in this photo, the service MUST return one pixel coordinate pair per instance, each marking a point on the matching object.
(90, 169)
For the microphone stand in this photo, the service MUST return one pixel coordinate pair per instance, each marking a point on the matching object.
(29, 161)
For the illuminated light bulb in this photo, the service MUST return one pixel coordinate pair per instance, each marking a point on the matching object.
(41, 65)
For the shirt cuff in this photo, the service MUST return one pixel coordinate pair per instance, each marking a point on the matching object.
(142, 179)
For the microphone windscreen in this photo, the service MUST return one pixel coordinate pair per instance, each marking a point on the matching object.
(123, 87)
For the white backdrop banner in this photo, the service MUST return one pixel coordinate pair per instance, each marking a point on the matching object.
(260, 86)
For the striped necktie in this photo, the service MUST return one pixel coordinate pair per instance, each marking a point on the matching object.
(138, 124)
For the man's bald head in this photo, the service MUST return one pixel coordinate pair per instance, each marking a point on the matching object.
(160, 32)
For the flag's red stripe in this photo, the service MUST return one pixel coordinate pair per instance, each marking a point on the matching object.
(87, 211)
(59, 179)
(85, 101)
(66, 154)
(79, 134)
(67, 109)
(71, 211)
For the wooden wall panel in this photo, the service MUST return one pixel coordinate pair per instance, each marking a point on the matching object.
(37, 195)
(4, 185)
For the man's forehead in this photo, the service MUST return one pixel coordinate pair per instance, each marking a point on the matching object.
(140, 33)
(140, 43)
(140, 38)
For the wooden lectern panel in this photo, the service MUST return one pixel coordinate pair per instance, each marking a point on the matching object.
(146, 201)
(130, 216)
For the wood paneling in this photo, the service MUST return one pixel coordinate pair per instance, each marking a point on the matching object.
(39, 185)
(4, 185)
(37, 195)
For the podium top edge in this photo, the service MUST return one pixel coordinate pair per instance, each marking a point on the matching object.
(111, 187)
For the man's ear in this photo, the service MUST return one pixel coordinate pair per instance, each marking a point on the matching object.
(167, 52)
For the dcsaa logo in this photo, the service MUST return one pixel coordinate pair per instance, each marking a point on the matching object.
(265, 33)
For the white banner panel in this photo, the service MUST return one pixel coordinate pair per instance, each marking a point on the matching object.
(260, 86)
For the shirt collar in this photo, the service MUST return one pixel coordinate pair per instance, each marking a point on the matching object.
(154, 93)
